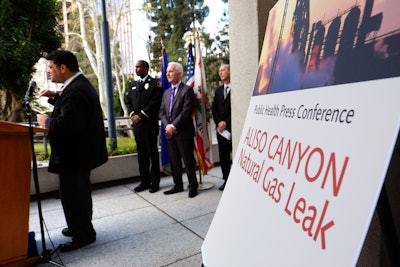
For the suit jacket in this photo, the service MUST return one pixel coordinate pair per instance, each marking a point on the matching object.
(76, 129)
(221, 108)
(144, 100)
(182, 109)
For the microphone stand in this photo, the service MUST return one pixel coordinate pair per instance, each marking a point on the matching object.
(46, 254)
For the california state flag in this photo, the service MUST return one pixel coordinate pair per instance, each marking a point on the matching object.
(202, 125)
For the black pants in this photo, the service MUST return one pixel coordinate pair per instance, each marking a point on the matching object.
(178, 149)
(224, 149)
(147, 149)
(76, 199)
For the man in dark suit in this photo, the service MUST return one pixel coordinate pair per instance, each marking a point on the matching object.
(78, 144)
(143, 103)
(221, 111)
(176, 116)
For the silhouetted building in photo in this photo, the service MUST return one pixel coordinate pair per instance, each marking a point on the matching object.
(338, 50)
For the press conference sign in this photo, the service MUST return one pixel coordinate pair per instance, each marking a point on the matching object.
(317, 139)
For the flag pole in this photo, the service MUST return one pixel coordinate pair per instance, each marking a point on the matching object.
(202, 185)
(195, 139)
(200, 163)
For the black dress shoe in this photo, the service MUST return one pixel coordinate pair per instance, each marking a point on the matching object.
(173, 190)
(222, 187)
(141, 187)
(75, 245)
(154, 189)
(66, 232)
(192, 193)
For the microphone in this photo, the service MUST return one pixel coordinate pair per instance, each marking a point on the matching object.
(29, 91)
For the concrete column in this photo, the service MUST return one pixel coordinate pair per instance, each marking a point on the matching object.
(247, 24)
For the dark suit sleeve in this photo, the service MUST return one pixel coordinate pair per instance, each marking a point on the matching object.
(163, 113)
(52, 101)
(128, 100)
(216, 106)
(70, 122)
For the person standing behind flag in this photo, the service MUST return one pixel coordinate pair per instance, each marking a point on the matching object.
(176, 116)
(143, 103)
(221, 111)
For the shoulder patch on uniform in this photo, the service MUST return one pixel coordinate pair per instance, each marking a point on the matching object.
(159, 84)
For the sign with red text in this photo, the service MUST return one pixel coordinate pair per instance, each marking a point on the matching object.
(317, 139)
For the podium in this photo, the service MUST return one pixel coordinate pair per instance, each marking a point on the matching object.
(15, 176)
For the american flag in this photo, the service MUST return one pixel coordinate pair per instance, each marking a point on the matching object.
(190, 68)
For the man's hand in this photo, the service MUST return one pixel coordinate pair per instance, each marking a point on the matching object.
(170, 129)
(221, 126)
(41, 119)
(136, 120)
(48, 93)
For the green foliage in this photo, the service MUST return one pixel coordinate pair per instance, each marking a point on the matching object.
(26, 31)
(171, 19)
(40, 151)
(126, 145)
(117, 104)
(217, 53)
(43, 156)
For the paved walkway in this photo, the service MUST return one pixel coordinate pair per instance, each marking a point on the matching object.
(136, 229)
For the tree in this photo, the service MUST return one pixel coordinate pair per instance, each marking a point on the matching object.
(217, 53)
(171, 19)
(83, 33)
(85, 39)
(26, 31)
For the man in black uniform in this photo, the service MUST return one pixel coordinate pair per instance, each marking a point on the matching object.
(143, 104)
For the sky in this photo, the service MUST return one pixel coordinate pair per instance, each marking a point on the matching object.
(141, 26)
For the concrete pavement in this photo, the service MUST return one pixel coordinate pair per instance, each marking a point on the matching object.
(136, 229)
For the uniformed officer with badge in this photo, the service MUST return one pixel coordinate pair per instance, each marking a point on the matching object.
(143, 103)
